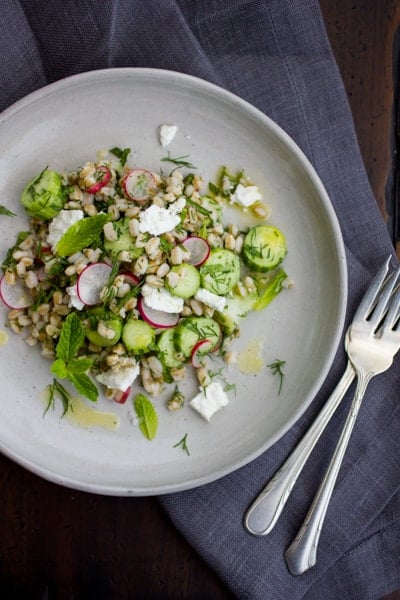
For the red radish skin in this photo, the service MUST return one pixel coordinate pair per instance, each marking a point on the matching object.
(130, 278)
(199, 351)
(91, 281)
(199, 250)
(133, 191)
(103, 176)
(156, 318)
(121, 397)
(15, 296)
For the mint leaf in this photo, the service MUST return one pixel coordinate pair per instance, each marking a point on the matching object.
(71, 338)
(84, 385)
(79, 365)
(59, 368)
(148, 420)
(81, 234)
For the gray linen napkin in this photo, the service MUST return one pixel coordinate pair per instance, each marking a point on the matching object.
(275, 54)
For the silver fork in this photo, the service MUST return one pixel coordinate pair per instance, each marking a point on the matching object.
(371, 344)
(263, 513)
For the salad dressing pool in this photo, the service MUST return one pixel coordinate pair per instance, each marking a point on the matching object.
(85, 416)
(250, 360)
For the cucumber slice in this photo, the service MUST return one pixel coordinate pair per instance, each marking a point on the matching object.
(184, 280)
(138, 336)
(166, 349)
(221, 271)
(124, 241)
(264, 248)
(100, 326)
(194, 329)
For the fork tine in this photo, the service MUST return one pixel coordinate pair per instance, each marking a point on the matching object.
(384, 301)
(393, 313)
(371, 294)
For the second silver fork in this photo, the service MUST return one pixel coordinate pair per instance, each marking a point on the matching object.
(263, 513)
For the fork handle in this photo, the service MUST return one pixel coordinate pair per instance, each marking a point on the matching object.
(264, 512)
(302, 553)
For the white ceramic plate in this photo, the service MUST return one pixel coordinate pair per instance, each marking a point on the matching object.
(65, 124)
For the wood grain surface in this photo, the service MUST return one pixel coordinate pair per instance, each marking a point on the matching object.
(56, 543)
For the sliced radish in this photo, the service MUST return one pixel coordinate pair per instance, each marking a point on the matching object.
(130, 278)
(137, 185)
(157, 318)
(121, 397)
(202, 348)
(15, 296)
(91, 281)
(102, 176)
(198, 248)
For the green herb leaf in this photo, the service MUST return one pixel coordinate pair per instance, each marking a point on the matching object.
(122, 155)
(80, 365)
(147, 416)
(59, 368)
(81, 234)
(5, 211)
(71, 338)
(84, 385)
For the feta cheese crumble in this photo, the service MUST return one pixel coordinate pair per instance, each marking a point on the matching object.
(74, 300)
(120, 378)
(161, 299)
(61, 223)
(157, 220)
(212, 300)
(210, 399)
(167, 134)
(246, 195)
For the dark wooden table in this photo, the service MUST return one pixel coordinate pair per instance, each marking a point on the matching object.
(57, 543)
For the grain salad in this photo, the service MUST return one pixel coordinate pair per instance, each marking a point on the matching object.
(129, 276)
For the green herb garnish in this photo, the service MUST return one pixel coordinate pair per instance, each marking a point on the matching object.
(146, 413)
(276, 368)
(66, 365)
(81, 235)
(179, 161)
(183, 444)
(122, 155)
(5, 211)
(56, 389)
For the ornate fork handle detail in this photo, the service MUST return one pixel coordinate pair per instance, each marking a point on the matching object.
(302, 553)
(265, 510)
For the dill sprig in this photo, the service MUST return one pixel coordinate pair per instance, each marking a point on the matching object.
(276, 368)
(179, 161)
(183, 444)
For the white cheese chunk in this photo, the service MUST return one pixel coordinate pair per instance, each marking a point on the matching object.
(157, 220)
(209, 400)
(246, 195)
(61, 223)
(120, 378)
(167, 134)
(161, 299)
(212, 300)
(74, 300)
